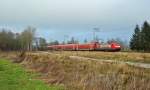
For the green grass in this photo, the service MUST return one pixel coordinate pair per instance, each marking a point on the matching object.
(14, 77)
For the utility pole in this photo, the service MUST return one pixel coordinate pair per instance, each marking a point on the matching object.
(95, 30)
(65, 37)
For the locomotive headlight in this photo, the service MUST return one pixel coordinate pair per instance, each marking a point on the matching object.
(117, 46)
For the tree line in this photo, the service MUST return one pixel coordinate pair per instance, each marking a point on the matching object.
(140, 40)
(26, 40)
(10, 41)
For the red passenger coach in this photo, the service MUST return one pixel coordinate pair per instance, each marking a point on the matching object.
(95, 46)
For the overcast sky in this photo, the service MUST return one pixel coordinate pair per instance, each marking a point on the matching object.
(56, 18)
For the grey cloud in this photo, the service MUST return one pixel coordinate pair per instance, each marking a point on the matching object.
(71, 11)
(69, 16)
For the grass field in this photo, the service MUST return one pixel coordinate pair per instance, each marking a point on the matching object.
(14, 77)
(57, 69)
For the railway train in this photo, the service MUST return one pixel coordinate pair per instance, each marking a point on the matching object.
(94, 46)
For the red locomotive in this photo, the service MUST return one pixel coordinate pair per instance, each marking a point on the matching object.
(95, 46)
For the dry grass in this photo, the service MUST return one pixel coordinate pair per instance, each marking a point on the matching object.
(121, 56)
(87, 75)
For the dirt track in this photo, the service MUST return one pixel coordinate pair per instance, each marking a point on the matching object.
(135, 64)
(141, 65)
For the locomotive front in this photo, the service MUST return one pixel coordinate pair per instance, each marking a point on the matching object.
(115, 47)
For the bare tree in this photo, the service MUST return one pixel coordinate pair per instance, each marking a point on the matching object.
(27, 37)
